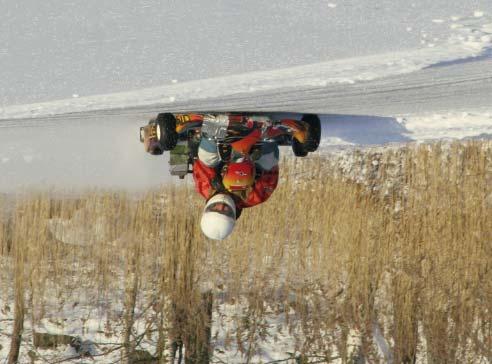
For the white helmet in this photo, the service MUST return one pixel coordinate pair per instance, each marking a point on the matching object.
(219, 217)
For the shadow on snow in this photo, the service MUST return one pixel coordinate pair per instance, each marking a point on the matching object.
(357, 129)
(363, 129)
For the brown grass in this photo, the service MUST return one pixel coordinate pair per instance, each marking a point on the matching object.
(329, 255)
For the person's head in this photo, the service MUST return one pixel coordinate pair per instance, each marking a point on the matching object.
(219, 217)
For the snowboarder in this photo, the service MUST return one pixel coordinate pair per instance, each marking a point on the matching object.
(235, 161)
(247, 179)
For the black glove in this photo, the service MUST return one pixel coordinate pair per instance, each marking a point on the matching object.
(224, 150)
(217, 185)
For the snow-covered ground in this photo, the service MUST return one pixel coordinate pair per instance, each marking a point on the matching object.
(51, 50)
(378, 73)
(79, 78)
(469, 38)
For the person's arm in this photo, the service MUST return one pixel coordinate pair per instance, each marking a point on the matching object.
(205, 178)
(263, 188)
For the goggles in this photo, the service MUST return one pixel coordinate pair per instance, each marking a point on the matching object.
(221, 208)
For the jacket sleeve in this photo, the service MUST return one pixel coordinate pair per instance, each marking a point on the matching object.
(203, 177)
(263, 188)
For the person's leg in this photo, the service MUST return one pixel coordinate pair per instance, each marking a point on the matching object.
(208, 153)
(269, 156)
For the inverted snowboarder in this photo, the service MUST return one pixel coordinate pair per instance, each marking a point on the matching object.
(234, 157)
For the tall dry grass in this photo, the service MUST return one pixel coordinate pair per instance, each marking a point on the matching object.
(405, 254)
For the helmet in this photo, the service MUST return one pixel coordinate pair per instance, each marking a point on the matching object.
(219, 217)
(239, 175)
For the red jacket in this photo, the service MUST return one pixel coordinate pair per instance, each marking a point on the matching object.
(263, 187)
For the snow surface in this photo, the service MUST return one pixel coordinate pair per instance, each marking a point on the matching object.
(79, 78)
(470, 38)
(52, 50)
(416, 94)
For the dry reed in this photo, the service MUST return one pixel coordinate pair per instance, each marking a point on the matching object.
(333, 257)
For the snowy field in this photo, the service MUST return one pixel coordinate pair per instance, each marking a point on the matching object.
(79, 78)
(52, 50)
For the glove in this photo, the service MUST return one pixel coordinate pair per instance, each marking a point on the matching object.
(217, 185)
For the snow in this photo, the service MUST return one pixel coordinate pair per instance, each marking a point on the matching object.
(450, 125)
(382, 345)
(28, 158)
(471, 38)
(459, 45)
(50, 50)
(79, 78)
(415, 94)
